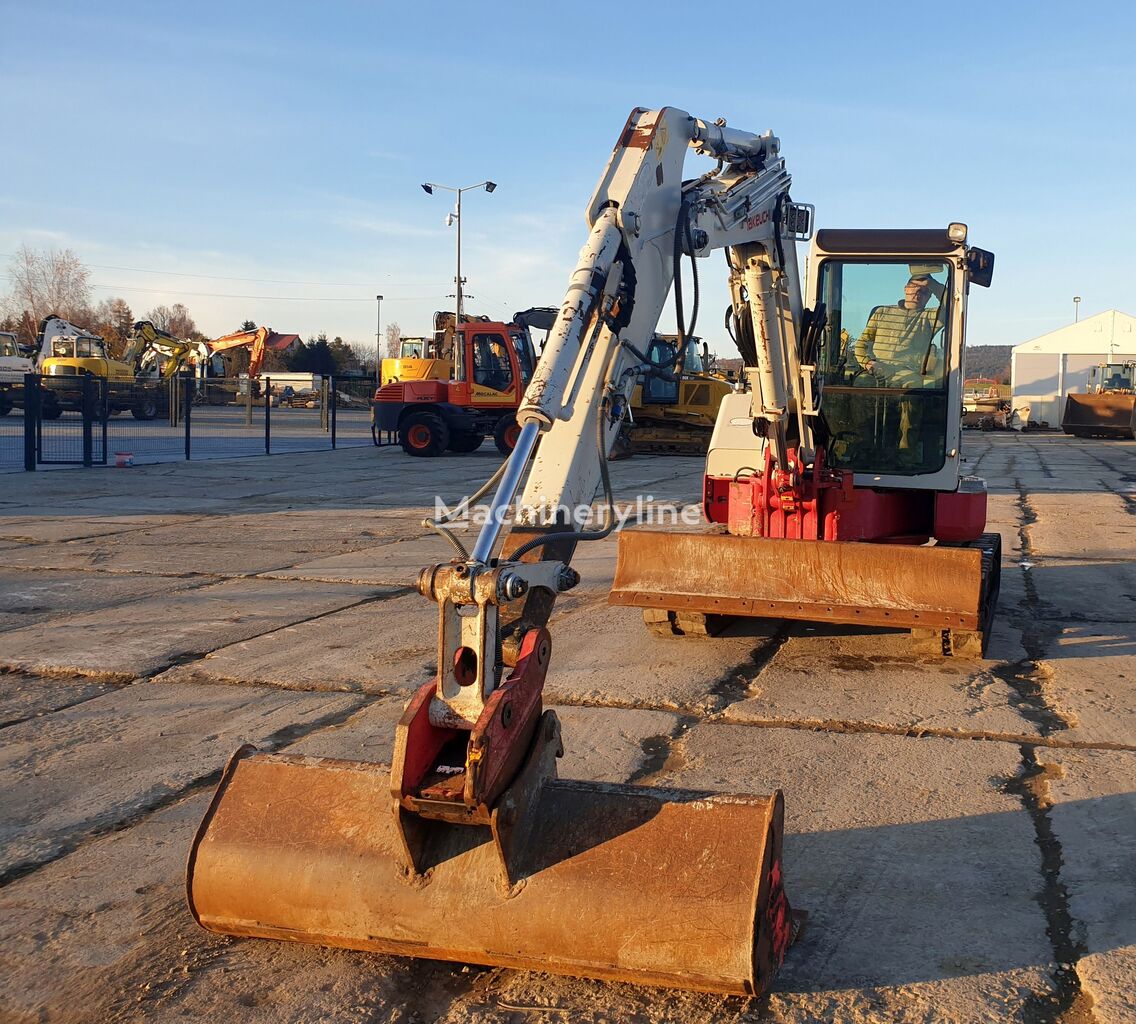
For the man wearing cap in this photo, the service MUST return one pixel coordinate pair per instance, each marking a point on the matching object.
(895, 345)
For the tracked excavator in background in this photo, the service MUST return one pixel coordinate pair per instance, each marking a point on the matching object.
(150, 350)
(257, 341)
(469, 847)
(673, 413)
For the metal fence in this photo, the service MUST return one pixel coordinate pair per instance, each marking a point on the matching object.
(86, 420)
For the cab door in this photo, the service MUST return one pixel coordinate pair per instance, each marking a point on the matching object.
(493, 370)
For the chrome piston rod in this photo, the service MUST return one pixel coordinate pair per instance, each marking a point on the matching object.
(506, 491)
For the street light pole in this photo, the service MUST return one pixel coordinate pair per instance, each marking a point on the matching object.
(458, 290)
(378, 336)
(1076, 308)
(428, 188)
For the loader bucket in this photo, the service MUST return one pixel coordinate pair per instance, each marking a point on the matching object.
(939, 588)
(1105, 415)
(617, 882)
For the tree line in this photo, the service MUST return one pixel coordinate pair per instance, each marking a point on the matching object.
(49, 282)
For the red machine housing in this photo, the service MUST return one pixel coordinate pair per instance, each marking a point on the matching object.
(817, 503)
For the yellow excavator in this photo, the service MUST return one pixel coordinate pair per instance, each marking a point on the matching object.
(432, 358)
(67, 353)
(469, 847)
(151, 350)
(673, 407)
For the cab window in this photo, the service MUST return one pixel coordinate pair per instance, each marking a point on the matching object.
(657, 391)
(525, 356)
(883, 365)
(491, 367)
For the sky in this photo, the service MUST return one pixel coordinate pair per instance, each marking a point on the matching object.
(254, 161)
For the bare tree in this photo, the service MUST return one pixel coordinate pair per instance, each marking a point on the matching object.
(48, 282)
(364, 353)
(393, 337)
(113, 321)
(173, 320)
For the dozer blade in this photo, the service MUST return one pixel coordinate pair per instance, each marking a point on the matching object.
(707, 570)
(626, 883)
(1104, 415)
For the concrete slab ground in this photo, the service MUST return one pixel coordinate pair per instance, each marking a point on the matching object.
(961, 832)
(147, 636)
(37, 595)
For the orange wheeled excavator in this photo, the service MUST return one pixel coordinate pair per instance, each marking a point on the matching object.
(469, 847)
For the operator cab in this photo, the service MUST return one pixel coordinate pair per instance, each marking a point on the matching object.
(662, 352)
(883, 364)
(487, 352)
(1116, 377)
(85, 347)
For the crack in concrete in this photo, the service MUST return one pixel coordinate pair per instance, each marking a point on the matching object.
(188, 657)
(1129, 498)
(851, 728)
(1069, 1004)
(663, 753)
(9, 722)
(736, 684)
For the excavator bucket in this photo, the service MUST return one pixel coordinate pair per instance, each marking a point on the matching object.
(618, 882)
(1103, 415)
(944, 593)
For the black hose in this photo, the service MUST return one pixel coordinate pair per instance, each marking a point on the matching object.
(437, 525)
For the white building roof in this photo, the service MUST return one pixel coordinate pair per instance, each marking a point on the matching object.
(1111, 330)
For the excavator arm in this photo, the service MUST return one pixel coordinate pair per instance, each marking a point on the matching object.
(147, 344)
(254, 340)
(471, 848)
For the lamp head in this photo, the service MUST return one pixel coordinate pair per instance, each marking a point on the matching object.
(428, 189)
(490, 186)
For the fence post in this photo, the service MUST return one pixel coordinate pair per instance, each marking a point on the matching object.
(88, 403)
(323, 405)
(248, 401)
(187, 410)
(31, 419)
(267, 389)
(104, 413)
(332, 410)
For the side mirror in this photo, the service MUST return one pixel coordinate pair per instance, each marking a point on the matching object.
(980, 266)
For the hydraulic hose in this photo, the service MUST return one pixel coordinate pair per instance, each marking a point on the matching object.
(437, 525)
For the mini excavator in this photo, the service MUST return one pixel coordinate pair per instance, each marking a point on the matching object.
(469, 847)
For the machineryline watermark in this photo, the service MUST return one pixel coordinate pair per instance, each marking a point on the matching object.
(643, 510)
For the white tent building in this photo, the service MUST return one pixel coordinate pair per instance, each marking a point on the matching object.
(1045, 370)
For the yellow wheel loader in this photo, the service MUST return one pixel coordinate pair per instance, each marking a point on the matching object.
(1108, 409)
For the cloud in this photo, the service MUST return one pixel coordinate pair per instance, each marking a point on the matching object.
(379, 226)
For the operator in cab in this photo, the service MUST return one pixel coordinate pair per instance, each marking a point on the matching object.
(896, 346)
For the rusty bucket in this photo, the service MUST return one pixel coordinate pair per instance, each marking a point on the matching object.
(628, 883)
(1103, 415)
